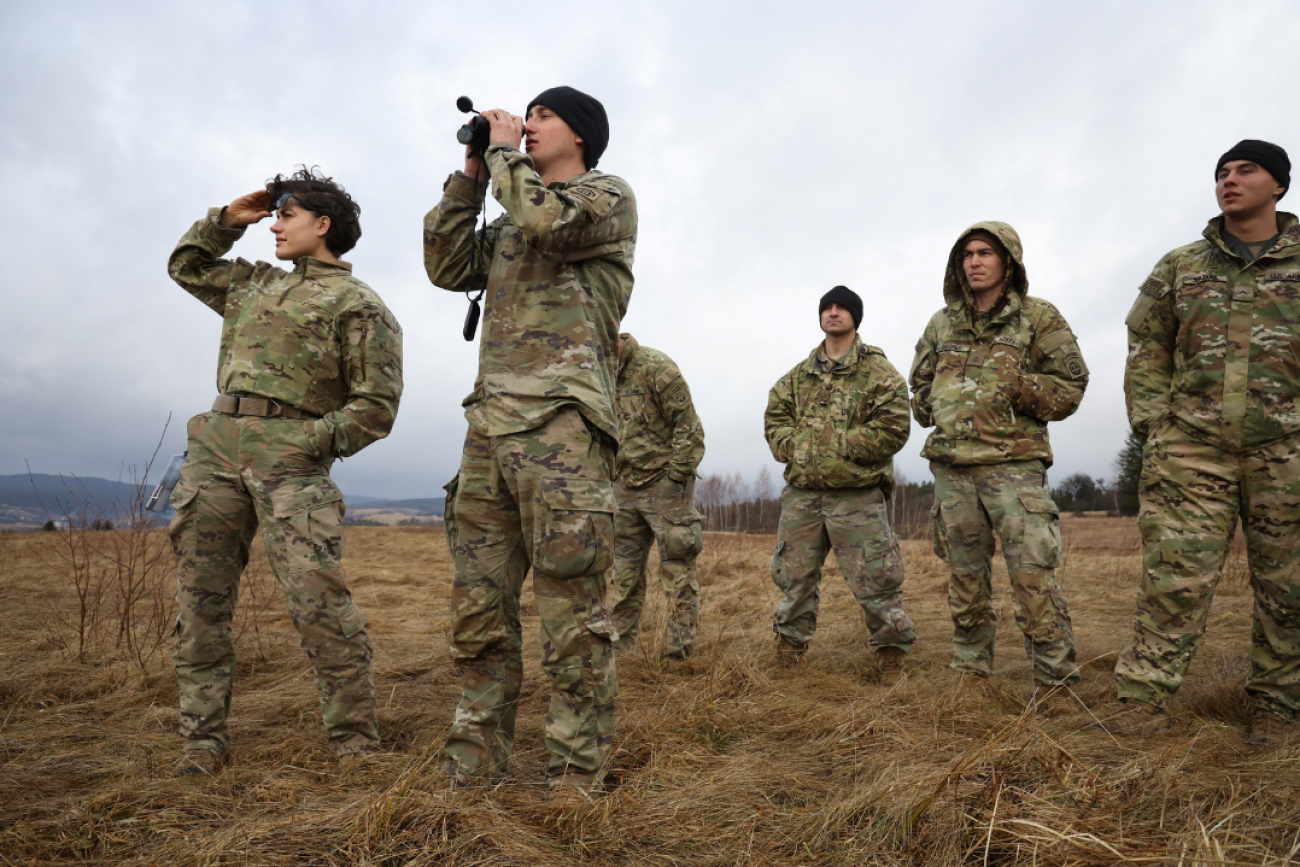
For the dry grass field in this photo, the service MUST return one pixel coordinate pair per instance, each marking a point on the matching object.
(727, 759)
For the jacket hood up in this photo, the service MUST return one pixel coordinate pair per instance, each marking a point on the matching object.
(956, 292)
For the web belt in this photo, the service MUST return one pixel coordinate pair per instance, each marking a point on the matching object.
(263, 407)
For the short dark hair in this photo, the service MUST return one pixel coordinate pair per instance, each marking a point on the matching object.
(321, 195)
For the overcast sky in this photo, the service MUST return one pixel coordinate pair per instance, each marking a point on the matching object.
(776, 149)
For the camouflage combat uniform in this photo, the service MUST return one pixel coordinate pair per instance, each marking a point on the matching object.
(322, 344)
(536, 482)
(660, 445)
(1213, 381)
(836, 425)
(988, 385)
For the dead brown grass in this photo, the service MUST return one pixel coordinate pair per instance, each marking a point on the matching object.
(725, 760)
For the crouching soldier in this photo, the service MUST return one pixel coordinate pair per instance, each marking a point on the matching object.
(661, 442)
(993, 367)
(836, 420)
(310, 369)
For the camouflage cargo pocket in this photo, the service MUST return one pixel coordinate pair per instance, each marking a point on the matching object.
(938, 532)
(683, 537)
(449, 512)
(575, 648)
(574, 534)
(1041, 545)
(182, 500)
(780, 577)
(307, 531)
(351, 620)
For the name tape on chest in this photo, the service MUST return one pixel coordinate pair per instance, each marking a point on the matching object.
(1193, 279)
(1283, 276)
(1007, 341)
(953, 347)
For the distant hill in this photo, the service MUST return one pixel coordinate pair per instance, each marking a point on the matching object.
(27, 500)
(21, 499)
(420, 506)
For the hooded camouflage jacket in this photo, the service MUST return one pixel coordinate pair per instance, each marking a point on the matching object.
(1214, 342)
(315, 338)
(659, 432)
(559, 277)
(838, 424)
(989, 384)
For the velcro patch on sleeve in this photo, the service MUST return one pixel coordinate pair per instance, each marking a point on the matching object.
(598, 200)
(1155, 287)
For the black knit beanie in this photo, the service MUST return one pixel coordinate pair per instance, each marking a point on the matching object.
(583, 113)
(1266, 155)
(846, 298)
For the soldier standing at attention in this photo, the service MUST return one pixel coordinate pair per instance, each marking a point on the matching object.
(993, 367)
(1212, 381)
(536, 482)
(310, 369)
(836, 420)
(661, 442)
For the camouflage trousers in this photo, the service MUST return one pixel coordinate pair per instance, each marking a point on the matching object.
(974, 507)
(1192, 494)
(854, 523)
(241, 472)
(663, 512)
(541, 499)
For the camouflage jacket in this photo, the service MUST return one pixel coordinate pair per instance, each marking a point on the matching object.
(1214, 342)
(838, 424)
(659, 432)
(315, 338)
(559, 276)
(989, 384)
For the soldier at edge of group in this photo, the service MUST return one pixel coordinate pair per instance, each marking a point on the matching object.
(310, 369)
(992, 369)
(535, 488)
(661, 443)
(1213, 384)
(836, 421)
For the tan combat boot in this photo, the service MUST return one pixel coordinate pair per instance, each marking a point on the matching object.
(199, 764)
(1138, 718)
(789, 651)
(1057, 703)
(891, 666)
(1267, 730)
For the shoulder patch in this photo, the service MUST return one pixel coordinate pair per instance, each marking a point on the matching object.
(598, 198)
(1154, 287)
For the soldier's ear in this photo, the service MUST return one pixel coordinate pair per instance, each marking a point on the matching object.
(322, 226)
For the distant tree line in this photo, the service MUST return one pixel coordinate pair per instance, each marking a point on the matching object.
(729, 502)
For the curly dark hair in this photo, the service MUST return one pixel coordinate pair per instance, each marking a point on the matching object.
(320, 195)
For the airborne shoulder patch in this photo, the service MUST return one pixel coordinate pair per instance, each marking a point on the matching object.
(598, 199)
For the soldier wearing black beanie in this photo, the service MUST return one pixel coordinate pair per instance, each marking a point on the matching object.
(585, 116)
(846, 298)
(1266, 155)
